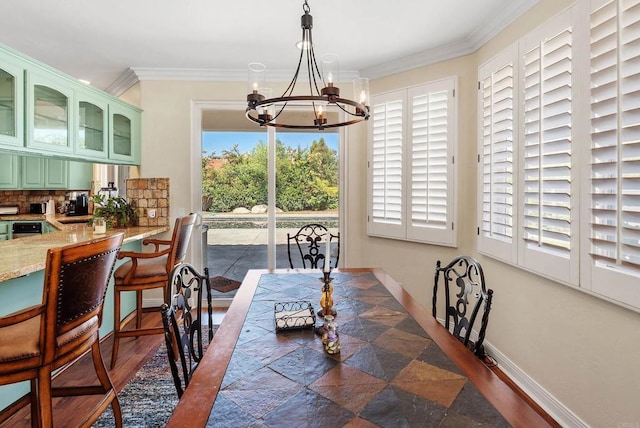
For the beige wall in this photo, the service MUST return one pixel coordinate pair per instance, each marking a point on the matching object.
(579, 349)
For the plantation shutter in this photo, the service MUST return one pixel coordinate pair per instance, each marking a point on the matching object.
(385, 166)
(615, 150)
(432, 127)
(547, 135)
(496, 157)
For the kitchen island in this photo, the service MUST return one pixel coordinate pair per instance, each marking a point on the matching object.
(22, 264)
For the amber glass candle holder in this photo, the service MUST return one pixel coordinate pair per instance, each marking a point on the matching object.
(326, 299)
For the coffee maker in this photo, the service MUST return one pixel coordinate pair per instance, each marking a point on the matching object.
(78, 204)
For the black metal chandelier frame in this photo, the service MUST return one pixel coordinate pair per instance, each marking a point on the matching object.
(328, 95)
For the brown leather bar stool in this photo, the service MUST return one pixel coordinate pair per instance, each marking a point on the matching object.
(146, 271)
(40, 339)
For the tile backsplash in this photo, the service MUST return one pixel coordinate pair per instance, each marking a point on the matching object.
(23, 198)
(151, 197)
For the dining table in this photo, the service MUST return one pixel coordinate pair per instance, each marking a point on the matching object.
(397, 366)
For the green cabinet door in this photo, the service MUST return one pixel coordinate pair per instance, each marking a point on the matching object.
(9, 178)
(11, 101)
(5, 230)
(32, 173)
(56, 174)
(92, 132)
(44, 173)
(48, 113)
(80, 175)
(124, 133)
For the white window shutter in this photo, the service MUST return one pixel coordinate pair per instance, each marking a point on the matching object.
(615, 151)
(431, 157)
(496, 186)
(386, 130)
(548, 196)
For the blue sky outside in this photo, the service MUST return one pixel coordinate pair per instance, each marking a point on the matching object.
(219, 141)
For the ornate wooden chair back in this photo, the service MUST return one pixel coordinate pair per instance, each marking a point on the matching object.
(62, 328)
(466, 298)
(183, 326)
(310, 243)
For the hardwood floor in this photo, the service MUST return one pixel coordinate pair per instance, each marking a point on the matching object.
(133, 353)
(70, 411)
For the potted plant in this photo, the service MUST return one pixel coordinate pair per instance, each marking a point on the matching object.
(116, 211)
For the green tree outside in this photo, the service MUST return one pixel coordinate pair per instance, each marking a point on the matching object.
(306, 179)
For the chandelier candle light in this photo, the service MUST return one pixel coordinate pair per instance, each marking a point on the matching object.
(264, 110)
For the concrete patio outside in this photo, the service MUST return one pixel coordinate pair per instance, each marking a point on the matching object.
(231, 252)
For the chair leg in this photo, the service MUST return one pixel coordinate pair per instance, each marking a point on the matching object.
(36, 420)
(105, 381)
(116, 328)
(45, 406)
(138, 309)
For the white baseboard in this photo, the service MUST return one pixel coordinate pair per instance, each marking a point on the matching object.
(558, 411)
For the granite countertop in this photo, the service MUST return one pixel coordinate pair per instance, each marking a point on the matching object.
(22, 256)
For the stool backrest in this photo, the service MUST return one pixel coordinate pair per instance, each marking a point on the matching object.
(180, 240)
(76, 279)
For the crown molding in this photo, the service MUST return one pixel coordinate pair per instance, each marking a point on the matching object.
(476, 39)
(510, 12)
(122, 83)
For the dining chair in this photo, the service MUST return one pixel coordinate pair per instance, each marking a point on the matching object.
(310, 243)
(183, 326)
(466, 296)
(146, 271)
(38, 340)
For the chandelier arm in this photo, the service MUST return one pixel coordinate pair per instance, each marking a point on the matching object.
(312, 67)
(292, 84)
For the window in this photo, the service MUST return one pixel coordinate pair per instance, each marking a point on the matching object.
(411, 164)
(545, 138)
(615, 151)
(496, 157)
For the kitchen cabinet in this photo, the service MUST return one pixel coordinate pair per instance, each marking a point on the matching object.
(11, 101)
(9, 178)
(80, 175)
(47, 113)
(5, 230)
(49, 173)
(39, 173)
(92, 136)
(124, 134)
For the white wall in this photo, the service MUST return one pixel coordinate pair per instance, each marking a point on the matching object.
(578, 349)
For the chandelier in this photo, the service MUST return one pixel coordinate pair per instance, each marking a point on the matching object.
(323, 93)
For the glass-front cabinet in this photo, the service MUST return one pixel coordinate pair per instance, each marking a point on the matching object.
(49, 118)
(44, 112)
(11, 102)
(124, 131)
(92, 137)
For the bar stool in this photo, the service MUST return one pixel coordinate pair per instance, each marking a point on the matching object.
(146, 271)
(40, 339)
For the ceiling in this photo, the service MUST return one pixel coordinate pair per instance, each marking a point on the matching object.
(101, 40)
